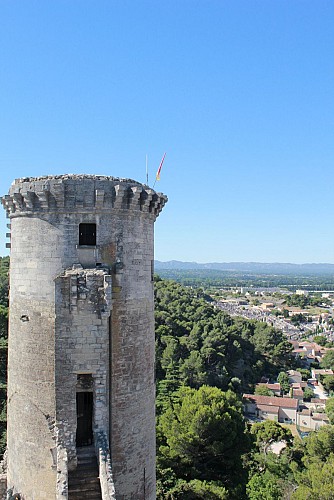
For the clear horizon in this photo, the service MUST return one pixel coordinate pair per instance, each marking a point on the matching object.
(249, 262)
(240, 96)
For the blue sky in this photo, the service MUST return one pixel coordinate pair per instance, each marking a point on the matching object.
(240, 94)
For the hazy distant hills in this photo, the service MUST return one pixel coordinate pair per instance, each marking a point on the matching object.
(250, 267)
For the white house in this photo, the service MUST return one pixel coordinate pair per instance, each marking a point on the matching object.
(271, 408)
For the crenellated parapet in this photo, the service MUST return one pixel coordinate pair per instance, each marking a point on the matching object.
(83, 193)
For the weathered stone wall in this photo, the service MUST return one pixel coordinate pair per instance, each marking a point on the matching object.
(133, 392)
(63, 324)
(31, 399)
(83, 305)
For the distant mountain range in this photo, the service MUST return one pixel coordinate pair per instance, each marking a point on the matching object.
(249, 267)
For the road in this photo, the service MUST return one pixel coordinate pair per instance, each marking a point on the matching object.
(319, 392)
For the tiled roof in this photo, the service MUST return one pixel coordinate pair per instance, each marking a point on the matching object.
(319, 371)
(294, 372)
(268, 408)
(298, 385)
(319, 416)
(272, 387)
(272, 401)
(305, 411)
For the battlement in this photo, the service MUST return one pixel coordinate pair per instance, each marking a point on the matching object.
(80, 193)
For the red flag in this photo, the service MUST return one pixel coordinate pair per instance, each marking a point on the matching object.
(157, 178)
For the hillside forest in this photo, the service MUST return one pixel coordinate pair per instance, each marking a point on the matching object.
(205, 360)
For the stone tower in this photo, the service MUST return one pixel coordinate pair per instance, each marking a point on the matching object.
(81, 334)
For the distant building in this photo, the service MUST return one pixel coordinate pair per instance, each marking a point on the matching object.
(299, 385)
(309, 352)
(267, 305)
(317, 373)
(294, 376)
(297, 394)
(309, 419)
(271, 408)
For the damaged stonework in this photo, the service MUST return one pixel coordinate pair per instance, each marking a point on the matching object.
(93, 285)
(105, 469)
(62, 474)
(82, 339)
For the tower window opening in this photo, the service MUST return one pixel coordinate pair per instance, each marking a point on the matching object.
(87, 234)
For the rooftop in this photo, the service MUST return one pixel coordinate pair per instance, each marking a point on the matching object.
(272, 401)
(75, 177)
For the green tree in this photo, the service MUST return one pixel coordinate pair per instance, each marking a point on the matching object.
(283, 380)
(319, 445)
(320, 339)
(327, 361)
(195, 490)
(262, 390)
(328, 382)
(235, 384)
(308, 394)
(264, 486)
(3, 321)
(202, 435)
(316, 482)
(285, 313)
(330, 410)
(269, 432)
(4, 269)
(192, 370)
(305, 373)
(296, 319)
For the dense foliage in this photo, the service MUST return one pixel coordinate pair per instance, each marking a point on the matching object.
(197, 344)
(328, 360)
(202, 437)
(303, 301)
(205, 448)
